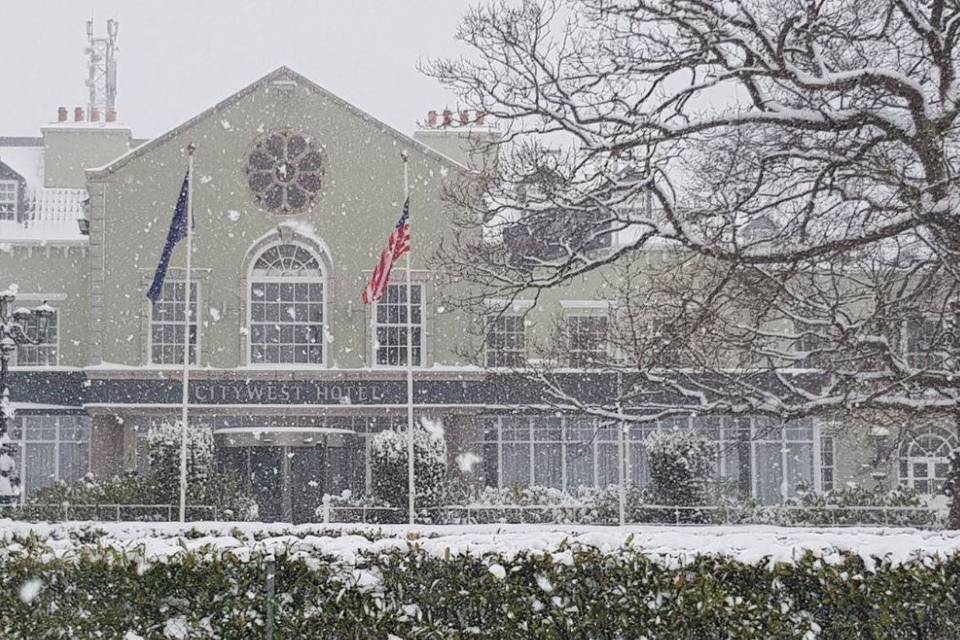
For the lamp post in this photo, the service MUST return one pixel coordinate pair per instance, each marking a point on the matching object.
(13, 333)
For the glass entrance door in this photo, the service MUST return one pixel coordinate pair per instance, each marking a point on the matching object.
(304, 485)
(288, 482)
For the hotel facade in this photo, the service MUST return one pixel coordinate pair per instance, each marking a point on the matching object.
(295, 191)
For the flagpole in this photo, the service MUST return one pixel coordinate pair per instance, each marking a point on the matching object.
(185, 397)
(411, 487)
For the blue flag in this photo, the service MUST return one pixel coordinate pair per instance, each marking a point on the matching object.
(178, 231)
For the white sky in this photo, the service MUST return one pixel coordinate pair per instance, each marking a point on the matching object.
(178, 57)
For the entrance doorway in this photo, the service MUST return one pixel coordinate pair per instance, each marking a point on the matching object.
(289, 471)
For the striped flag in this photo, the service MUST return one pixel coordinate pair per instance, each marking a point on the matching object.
(178, 231)
(397, 247)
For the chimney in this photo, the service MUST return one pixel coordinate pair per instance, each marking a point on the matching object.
(62, 114)
(94, 115)
(78, 114)
(431, 119)
(480, 116)
(464, 117)
(111, 116)
(447, 117)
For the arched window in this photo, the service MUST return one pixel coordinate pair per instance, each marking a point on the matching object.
(925, 459)
(287, 307)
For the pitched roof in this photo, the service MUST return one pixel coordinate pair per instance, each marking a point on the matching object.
(279, 74)
(7, 172)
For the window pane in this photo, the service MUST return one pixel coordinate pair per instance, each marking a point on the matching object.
(289, 280)
(391, 329)
(167, 317)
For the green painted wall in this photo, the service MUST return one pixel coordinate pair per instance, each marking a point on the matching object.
(58, 272)
(131, 209)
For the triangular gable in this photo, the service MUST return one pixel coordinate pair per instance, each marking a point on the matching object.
(281, 73)
(7, 172)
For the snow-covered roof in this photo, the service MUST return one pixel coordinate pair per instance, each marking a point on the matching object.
(25, 160)
(50, 214)
(85, 125)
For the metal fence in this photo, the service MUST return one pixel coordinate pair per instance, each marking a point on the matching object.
(782, 515)
(108, 512)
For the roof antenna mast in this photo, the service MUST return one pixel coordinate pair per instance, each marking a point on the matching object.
(102, 69)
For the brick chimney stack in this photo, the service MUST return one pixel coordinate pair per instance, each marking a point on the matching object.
(447, 117)
(111, 116)
(94, 115)
(61, 114)
(78, 114)
(432, 119)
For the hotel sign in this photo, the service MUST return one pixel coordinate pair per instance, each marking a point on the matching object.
(296, 392)
(509, 390)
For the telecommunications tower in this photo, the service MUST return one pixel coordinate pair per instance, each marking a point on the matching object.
(102, 78)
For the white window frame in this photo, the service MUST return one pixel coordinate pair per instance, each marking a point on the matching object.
(325, 305)
(495, 354)
(22, 443)
(422, 325)
(602, 351)
(55, 344)
(16, 200)
(33, 299)
(904, 458)
(637, 437)
(827, 443)
(195, 321)
(921, 359)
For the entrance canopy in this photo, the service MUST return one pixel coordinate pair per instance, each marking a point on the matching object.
(282, 436)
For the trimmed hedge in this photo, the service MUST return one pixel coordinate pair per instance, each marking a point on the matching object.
(575, 592)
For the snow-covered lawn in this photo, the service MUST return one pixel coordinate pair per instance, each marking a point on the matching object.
(749, 543)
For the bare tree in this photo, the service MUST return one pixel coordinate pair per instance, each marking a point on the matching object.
(793, 162)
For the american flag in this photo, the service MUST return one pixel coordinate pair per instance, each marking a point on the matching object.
(397, 246)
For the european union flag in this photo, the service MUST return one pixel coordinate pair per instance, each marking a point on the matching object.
(178, 231)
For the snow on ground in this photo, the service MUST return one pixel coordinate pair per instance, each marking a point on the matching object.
(670, 544)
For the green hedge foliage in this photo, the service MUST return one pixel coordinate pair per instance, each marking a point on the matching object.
(577, 592)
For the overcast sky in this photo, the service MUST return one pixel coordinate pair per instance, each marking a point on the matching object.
(178, 57)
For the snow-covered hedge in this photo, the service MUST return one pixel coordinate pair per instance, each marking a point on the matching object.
(388, 451)
(681, 463)
(482, 585)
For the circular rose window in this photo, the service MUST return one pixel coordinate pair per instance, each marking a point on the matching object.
(285, 171)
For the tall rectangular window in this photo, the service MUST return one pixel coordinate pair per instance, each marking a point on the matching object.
(50, 448)
(826, 463)
(586, 340)
(391, 329)
(506, 342)
(8, 200)
(927, 342)
(167, 324)
(43, 354)
(811, 347)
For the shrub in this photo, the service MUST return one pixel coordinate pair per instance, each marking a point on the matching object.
(575, 592)
(229, 494)
(680, 466)
(952, 489)
(389, 465)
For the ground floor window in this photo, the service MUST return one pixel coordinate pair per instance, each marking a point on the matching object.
(827, 467)
(50, 448)
(924, 459)
(755, 457)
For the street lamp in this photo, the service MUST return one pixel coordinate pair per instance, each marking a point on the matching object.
(13, 333)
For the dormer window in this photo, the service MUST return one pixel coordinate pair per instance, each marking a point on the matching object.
(8, 200)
